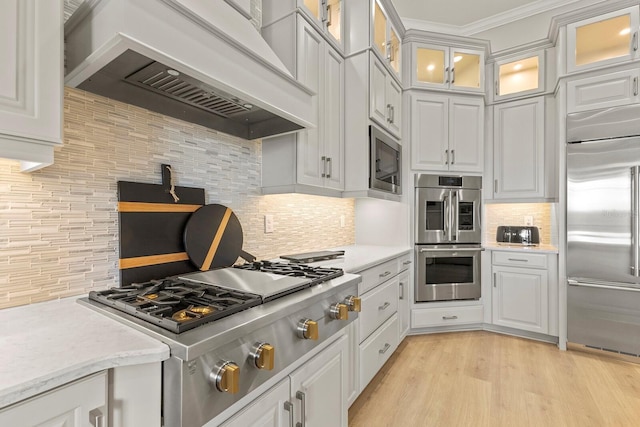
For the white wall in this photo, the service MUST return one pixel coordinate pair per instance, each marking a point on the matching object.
(381, 222)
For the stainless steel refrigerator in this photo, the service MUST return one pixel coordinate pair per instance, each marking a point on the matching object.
(603, 226)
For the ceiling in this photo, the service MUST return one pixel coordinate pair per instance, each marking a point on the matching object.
(469, 16)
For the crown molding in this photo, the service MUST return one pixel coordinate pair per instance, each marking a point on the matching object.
(491, 22)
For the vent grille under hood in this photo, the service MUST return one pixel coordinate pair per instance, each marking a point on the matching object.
(179, 58)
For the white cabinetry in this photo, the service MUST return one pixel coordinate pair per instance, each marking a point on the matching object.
(385, 98)
(404, 294)
(80, 403)
(603, 91)
(447, 133)
(386, 39)
(525, 291)
(327, 16)
(31, 88)
(314, 394)
(519, 76)
(447, 68)
(524, 164)
(603, 40)
(310, 161)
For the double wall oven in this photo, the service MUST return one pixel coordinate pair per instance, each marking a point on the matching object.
(447, 237)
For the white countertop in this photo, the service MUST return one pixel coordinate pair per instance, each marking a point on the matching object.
(360, 257)
(48, 344)
(544, 248)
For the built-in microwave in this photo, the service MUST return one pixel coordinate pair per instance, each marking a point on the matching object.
(386, 162)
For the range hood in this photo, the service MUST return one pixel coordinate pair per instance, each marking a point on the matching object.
(198, 61)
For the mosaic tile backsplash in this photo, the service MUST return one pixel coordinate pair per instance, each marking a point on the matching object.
(514, 213)
(59, 225)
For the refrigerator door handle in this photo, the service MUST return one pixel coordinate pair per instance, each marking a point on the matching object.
(635, 220)
(455, 208)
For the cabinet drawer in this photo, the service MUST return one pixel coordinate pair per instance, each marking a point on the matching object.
(405, 262)
(443, 316)
(376, 350)
(377, 306)
(518, 259)
(373, 276)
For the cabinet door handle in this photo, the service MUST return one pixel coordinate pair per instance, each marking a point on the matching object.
(495, 186)
(518, 259)
(446, 154)
(385, 274)
(330, 167)
(393, 114)
(303, 410)
(446, 72)
(495, 279)
(634, 41)
(323, 10)
(288, 406)
(401, 290)
(96, 418)
(449, 317)
(453, 156)
(328, 15)
(497, 88)
(324, 166)
(386, 347)
(407, 262)
(453, 75)
(388, 113)
(384, 306)
(635, 86)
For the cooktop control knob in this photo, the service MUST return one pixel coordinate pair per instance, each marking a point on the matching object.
(308, 329)
(226, 376)
(339, 311)
(353, 303)
(263, 355)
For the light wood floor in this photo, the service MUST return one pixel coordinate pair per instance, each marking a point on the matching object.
(486, 379)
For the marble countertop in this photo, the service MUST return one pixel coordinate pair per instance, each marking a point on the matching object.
(48, 344)
(543, 248)
(361, 257)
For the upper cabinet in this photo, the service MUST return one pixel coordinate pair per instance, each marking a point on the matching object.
(385, 95)
(447, 68)
(31, 87)
(385, 38)
(327, 16)
(603, 40)
(447, 132)
(519, 76)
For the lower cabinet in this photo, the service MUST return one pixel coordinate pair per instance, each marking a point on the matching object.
(403, 303)
(315, 394)
(376, 350)
(449, 315)
(525, 291)
(80, 403)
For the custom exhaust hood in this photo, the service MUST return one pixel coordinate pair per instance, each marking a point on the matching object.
(198, 61)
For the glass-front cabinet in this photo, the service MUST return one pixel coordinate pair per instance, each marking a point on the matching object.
(329, 15)
(519, 76)
(447, 68)
(385, 37)
(606, 39)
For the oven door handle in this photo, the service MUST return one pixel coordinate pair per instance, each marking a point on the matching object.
(422, 250)
(446, 201)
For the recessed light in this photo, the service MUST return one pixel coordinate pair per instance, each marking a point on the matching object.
(247, 106)
(431, 67)
(625, 31)
(173, 73)
(457, 58)
(517, 67)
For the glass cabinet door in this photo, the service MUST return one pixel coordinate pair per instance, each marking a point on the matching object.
(430, 65)
(519, 76)
(602, 40)
(314, 7)
(334, 19)
(380, 29)
(394, 51)
(466, 69)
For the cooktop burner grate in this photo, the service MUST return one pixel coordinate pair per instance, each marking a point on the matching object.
(316, 274)
(174, 304)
